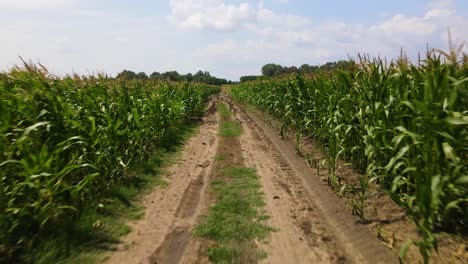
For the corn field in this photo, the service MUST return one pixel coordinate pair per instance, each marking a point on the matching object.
(400, 125)
(65, 141)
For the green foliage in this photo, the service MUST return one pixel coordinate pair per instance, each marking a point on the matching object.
(404, 126)
(174, 76)
(127, 75)
(142, 76)
(270, 70)
(206, 77)
(248, 78)
(66, 142)
(230, 129)
(200, 77)
(223, 110)
(234, 221)
(220, 158)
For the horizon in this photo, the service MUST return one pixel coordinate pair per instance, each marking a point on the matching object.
(229, 39)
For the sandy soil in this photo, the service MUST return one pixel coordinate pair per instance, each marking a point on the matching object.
(324, 222)
(164, 233)
(312, 224)
(385, 219)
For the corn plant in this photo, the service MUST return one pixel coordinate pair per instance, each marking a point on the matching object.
(402, 126)
(65, 141)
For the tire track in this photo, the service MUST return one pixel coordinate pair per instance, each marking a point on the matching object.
(325, 223)
(313, 225)
(164, 233)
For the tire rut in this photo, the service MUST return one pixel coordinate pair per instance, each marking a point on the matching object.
(172, 248)
(164, 233)
(192, 195)
(326, 224)
(313, 225)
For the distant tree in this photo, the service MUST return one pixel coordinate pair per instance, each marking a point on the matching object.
(205, 77)
(306, 68)
(248, 78)
(275, 69)
(188, 77)
(172, 76)
(200, 76)
(127, 75)
(155, 75)
(272, 69)
(217, 81)
(337, 65)
(292, 69)
(142, 76)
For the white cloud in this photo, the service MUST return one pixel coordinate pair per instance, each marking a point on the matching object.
(441, 6)
(210, 14)
(384, 38)
(281, 37)
(266, 17)
(34, 4)
(218, 15)
(302, 41)
(409, 25)
(431, 27)
(441, 13)
(91, 38)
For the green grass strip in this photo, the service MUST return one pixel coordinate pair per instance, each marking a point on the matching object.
(220, 158)
(223, 110)
(230, 129)
(235, 221)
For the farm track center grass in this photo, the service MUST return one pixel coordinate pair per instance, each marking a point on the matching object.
(235, 220)
(230, 129)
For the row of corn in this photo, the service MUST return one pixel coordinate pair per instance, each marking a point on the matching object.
(65, 141)
(400, 125)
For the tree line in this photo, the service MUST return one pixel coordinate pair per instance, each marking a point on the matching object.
(268, 70)
(271, 69)
(200, 76)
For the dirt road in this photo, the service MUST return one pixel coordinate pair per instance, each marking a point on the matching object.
(311, 224)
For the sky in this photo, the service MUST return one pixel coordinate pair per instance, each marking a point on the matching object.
(228, 38)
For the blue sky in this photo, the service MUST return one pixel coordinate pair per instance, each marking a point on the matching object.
(228, 38)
